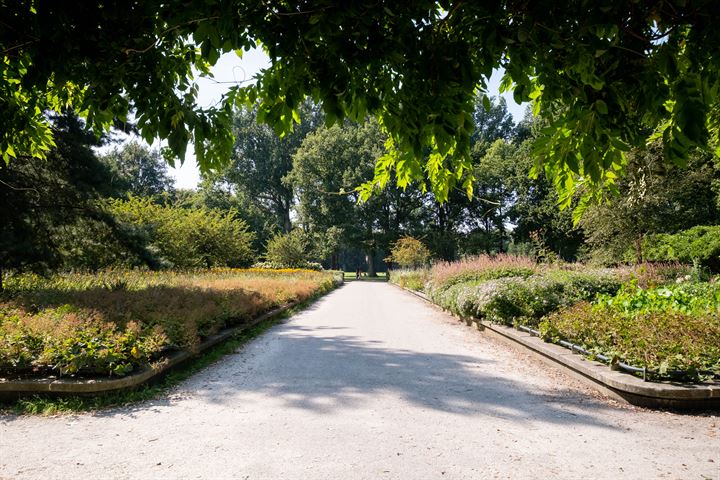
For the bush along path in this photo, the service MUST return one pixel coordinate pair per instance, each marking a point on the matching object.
(82, 333)
(660, 326)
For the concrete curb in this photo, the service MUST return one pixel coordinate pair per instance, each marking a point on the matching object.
(618, 385)
(17, 388)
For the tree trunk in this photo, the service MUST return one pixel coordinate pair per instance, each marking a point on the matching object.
(638, 250)
(287, 224)
(370, 259)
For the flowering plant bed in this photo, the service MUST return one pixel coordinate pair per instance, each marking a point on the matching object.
(665, 328)
(117, 322)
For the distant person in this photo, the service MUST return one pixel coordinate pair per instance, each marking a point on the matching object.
(357, 274)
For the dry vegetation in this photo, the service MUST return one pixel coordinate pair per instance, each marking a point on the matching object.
(118, 321)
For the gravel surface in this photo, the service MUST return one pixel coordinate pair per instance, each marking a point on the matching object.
(370, 382)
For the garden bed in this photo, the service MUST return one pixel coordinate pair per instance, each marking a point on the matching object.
(659, 327)
(120, 322)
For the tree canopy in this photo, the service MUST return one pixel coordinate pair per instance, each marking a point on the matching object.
(139, 170)
(606, 77)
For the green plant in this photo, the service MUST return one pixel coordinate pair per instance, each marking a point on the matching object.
(188, 237)
(288, 250)
(699, 245)
(687, 298)
(523, 299)
(409, 252)
(661, 340)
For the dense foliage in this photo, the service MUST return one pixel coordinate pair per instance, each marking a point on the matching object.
(138, 170)
(663, 317)
(188, 237)
(605, 77)
(655, 199)
(698, 244)
(52, 215)
(115, 322)
(409, 252)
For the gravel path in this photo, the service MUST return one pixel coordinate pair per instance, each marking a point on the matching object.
(371, 383)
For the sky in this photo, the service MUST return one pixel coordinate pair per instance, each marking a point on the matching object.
(231, 68)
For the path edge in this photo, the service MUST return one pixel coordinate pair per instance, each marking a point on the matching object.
(617, 385)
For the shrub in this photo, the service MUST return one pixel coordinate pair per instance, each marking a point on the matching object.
(188, 237)
(655, 339)
(523, 299)
(279, 266)
(701, 243)
(288, 250)
(412, 279)
(409, 252)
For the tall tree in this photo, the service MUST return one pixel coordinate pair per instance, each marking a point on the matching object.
(492, 121)
(327, 168)
(534, 212)
(261, 160)
(216, 194)
(139, 170)
(52, 215)
(471, 225)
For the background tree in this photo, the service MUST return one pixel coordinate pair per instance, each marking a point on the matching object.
(216, 194)
(327, 168)
(139, 170)
(52, 215)
(655, 199)
(492, 121)
(468, 225)
(537, 219)
(261, 160)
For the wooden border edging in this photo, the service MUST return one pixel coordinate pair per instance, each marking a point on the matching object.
(619, 385)
(15, 388)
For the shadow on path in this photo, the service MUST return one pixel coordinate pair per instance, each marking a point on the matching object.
(322, 370)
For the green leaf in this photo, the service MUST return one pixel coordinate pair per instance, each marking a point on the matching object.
(486, 103)
(601, 107)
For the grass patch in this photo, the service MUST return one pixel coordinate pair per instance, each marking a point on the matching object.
(413, 279)
(351, 276)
